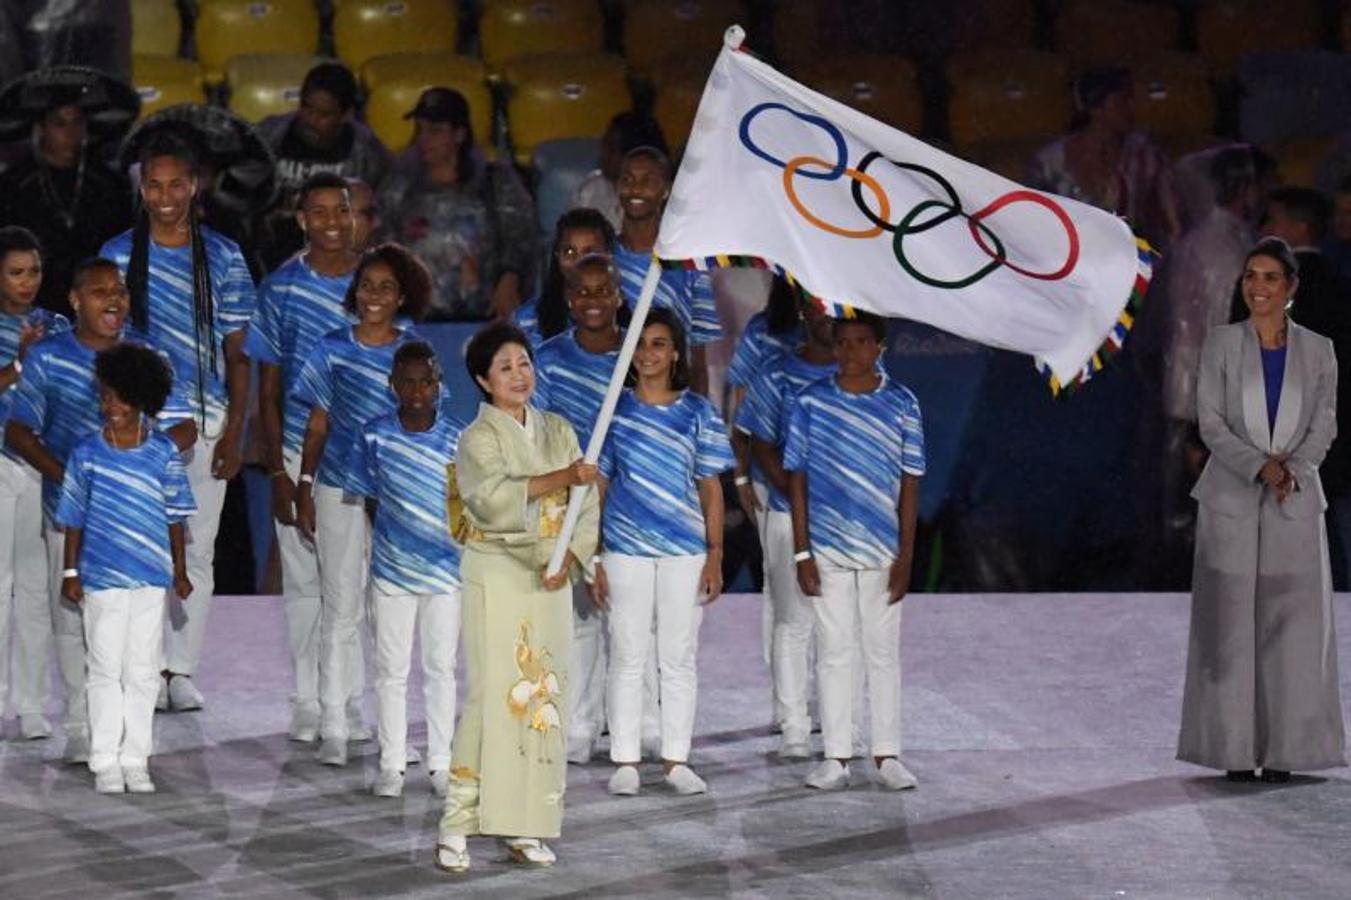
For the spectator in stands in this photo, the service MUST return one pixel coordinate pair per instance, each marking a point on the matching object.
(578, 234)
(599, 190)
(321, 136)
(471, 221)
(59, 191)
(1106, 162)
(1337, 245)
(366, 221)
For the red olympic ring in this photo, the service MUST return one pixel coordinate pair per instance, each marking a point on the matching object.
(1071, 259)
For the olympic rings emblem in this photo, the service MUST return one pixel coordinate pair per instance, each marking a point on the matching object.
(917, 219)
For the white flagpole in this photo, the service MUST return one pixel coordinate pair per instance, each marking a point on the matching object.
(607, 411)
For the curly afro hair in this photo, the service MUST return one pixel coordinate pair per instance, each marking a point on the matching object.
(415, 282)
(136, 374)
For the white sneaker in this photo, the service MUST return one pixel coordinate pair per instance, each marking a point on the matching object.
(625, 781)
(411, 756)
(332, 752)
(829, 775)
(162, 699)
(895, 776)
(110, 782)
(138, 781)
(684, 781)
(452, 854)
(357, 729)
(530, 852)
(304, 723)
(34, 727)
(388, 783)
(440, 783)
(183, 694)
(77, 749)
(794, 748)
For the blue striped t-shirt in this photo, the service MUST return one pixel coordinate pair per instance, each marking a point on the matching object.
(687, 292)
(763, 414)
(571, 381)
(11, 327)
(756, 347)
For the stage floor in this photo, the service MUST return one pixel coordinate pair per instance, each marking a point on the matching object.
(1041, 728)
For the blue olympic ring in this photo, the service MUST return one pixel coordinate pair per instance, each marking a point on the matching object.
(841, 150)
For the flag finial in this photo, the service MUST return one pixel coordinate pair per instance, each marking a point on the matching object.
(733, 37)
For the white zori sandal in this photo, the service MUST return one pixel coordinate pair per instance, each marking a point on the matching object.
(530, 852)
(453, 855)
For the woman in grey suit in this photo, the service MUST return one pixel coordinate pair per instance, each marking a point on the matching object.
(1262, 688)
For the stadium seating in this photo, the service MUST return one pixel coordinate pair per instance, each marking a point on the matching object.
(156, 29)
(561, 95)
(657, 28)
(1227, 29)
(513, 28)
(1174, 100)
(363, 29)
(560, 166)
(1298, 160)
(796, 31)
(166, 81)
(677, 85)
(228, 28)
(1293, 94)
(1104, 32)
(265, 84)
(979, 24)
(884, 87)
(1003, 95)
(395, 81)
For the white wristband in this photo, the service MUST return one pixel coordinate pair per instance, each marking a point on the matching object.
(742, 480)
(802, 556)
(307, 479)
(596, 560)
(70, 573)
(18, 365)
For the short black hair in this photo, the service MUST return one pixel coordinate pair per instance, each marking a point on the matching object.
(17, 239)
(136, 374)
(1277, 249)
(1305, 205)
(483, 346)
(335, 79)
(781, 309)
(321, 181)
(656, 154)
(414, 281)
(680, 372)
(592, 262)
(633, 130)
(415, 351)
(168, 141)
(873, 322)
(81, 271)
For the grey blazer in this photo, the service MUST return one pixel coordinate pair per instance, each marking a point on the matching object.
(1232, 413)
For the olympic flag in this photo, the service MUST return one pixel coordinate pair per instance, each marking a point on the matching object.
(859, 214)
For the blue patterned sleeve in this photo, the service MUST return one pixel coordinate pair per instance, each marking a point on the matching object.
(542, 398)
(56, 323)
(746, 360)
(314, 385)
(234, 306)
(795, 441)
(179, 504)
(704, 325)
(606, 463)
(30, 394)
(263, 342)
(712, 452)
(758, 414)
(912, 428)
(73, 504)
(361, 479)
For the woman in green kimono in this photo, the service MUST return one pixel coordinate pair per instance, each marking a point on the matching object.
(508, 492)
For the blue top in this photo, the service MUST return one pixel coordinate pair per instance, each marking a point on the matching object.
(571, 381)
(296, 307)
(654, 457)
(57, 398)
(10, 328)
(125, 501)
(526, 318)
(1273, 374)
(855, 449)
(756, 346)
(686, 291)
(406, 472)
(170, 307)
(350, 382)
(763, 414)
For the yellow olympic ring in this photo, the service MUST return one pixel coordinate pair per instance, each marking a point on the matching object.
(884, 205)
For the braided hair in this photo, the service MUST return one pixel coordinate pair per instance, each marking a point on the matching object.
(172, 144)
(552, 308)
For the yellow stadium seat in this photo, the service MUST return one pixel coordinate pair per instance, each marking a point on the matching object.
(1006, 95)
(1298, 160)
(1227, 29)
(884, 87)
(156, 29)
(561, 95)
(228, 28)
(677, 85)
(1107, 32)
(657, 28)
(1173, 96)
(514, 28)
(396, 80)
(166, 81)
(363, 29)
(266, 84)
(980, 24)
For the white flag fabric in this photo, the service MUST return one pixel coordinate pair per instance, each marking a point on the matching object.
(859, 214)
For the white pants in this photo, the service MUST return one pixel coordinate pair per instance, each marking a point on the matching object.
(644, 591)
(590, 660)
(793, 624)
(23, 591)
(853, 619)
(186, 620)
(68, 637)
(301, 590)
(123, 629)
(343, 547)
(436, 619)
